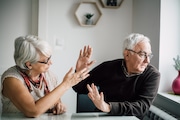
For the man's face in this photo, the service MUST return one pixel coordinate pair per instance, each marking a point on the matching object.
(138, 58)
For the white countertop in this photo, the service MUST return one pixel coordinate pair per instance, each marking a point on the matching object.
(171, 96)
(68, 116)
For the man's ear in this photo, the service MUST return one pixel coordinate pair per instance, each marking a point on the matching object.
(126, 54)
(28, 65)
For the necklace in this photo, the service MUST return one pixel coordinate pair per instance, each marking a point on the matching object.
(36, 83)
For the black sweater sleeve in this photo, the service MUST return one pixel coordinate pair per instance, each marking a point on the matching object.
(96, 75)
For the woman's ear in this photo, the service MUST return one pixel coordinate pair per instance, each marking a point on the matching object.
(28, 65)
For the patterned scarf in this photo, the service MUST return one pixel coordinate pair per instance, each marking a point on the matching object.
(37, 84)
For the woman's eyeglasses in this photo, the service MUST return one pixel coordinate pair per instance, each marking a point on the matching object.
(45, 62)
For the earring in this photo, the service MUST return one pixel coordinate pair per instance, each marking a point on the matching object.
(29, 73)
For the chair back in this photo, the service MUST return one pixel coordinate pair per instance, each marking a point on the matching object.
(84, 104)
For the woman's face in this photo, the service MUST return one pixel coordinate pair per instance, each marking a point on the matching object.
(42, 65)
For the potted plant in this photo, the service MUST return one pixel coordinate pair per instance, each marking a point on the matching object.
(88, 16)
(176, 82)
(177, 63)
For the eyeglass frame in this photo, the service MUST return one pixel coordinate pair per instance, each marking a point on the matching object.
(143, 56)
(46, 62)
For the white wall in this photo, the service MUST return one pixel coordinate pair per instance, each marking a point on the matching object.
(169, 42)
(15, 20)
(17, 17)
(146, 20)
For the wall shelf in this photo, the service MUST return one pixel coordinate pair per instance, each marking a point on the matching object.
(87, 7)
(104, 4)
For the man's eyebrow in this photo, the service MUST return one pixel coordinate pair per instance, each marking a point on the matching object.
(141, 51)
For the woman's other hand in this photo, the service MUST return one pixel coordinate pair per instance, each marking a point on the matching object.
(59, 108)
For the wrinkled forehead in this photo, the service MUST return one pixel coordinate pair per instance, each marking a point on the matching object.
(143, 46)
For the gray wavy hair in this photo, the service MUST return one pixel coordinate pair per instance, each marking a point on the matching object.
(133, 39)
(28, 49)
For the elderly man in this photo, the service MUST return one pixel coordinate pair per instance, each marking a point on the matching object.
(125, 86)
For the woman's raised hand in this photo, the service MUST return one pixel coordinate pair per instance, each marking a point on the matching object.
(72, 78)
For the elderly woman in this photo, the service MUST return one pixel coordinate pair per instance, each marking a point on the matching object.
(29, 87)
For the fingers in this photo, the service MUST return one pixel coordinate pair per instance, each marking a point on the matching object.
(80, 53)
(59, 109)
(84, 58)
(97, 98)
(90, 50)
(92, 62)
(102, 96)
(70, 70)
(90, 94)
(93, 91)
(83, 74)
(92, 88)
(87, 52)
(84, 51)
(89, 88)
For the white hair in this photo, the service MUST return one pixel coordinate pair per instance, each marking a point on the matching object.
(133, 39)
(28, 49)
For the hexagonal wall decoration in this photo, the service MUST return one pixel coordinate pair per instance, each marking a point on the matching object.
(85, 8)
